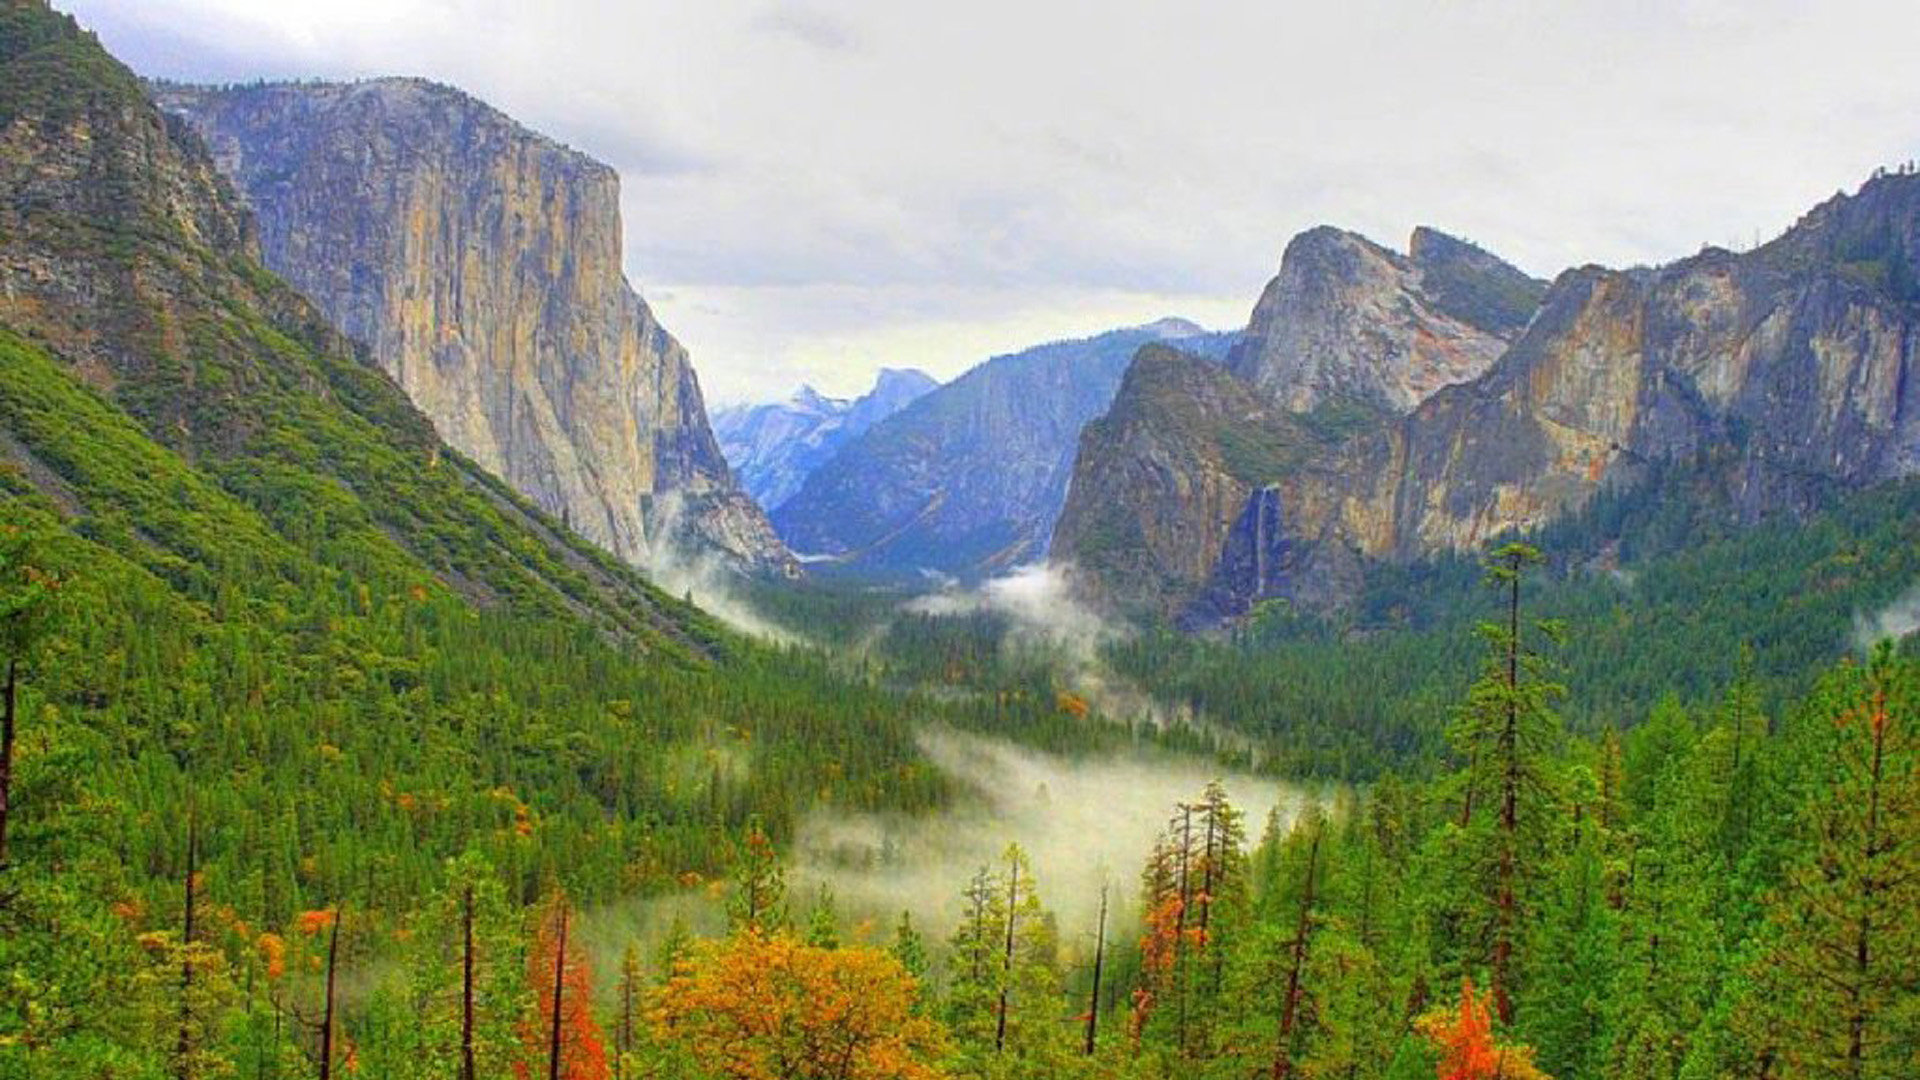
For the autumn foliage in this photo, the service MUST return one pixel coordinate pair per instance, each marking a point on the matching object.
(583, 1052)
(769, 1007)
(1468, 1049)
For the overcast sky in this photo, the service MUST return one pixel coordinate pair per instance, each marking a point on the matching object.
(815, 190)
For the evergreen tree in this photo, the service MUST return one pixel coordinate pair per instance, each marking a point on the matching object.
(1505, 733)
(759, 885)
(1843, 975)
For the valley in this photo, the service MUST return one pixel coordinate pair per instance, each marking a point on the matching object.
(1449, 672)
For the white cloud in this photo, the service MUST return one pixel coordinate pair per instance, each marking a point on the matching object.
(1036, 164)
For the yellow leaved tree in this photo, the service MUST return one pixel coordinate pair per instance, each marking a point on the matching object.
(770, 1007)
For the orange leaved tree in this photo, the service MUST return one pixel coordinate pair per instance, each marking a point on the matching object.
(769, 1007)
(1468, 1048)
(560, 1035)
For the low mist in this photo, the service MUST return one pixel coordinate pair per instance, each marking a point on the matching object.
(1045, 617)
(1082, 822)
(702, 577)
(1893, 622)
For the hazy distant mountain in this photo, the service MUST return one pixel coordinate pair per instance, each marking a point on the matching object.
(774, 447)
(969, 478)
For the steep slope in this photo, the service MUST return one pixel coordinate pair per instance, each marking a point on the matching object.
(1787, 369)
(1347, 336)
(481, 262)
(291, 614)
(970, 478)
(774, 447)
(1348, 323)
(1159, 479)
(124, 253)
(1781, 374)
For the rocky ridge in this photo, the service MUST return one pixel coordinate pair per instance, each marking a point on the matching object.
(968, 480)
(1782, 375)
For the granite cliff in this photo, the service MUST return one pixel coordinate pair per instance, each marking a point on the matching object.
(181, 406)
(1348, 323)
(481, 262)
(1781, 375)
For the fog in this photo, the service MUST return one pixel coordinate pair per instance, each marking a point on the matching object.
(1046, 619)
(1083, 822)
(1895, 621)
(702, 577)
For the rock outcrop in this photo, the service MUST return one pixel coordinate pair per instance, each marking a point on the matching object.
(968, 480)
(1159, 480)
(774, 447)
(1348, 323)
(481, 262)
(1781, 376)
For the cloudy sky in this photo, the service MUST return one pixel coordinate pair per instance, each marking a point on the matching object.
(814, 190)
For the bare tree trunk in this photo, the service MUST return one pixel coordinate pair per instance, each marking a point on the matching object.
(326, 1013)
(184, 1047)
(1099, 958)
(1508, 914)
(466, 985)
(559, 983)
(1303, 928)
(1006, 968)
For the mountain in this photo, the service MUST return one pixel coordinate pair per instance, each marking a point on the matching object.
(969, 479)
(1160, 478)
(482, 264)
(1347, 322)
(201, 418)
(1346, 336)
(1780, 376)
(774, 447)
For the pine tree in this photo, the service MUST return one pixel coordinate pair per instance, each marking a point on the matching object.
(1505, 731)
(823, 926)
(560, 1035)
(1843, 977)
(759, 899)
(909, 949)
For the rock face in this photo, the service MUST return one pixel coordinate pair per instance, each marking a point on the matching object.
(481, 263)
(1159, 480)
(219, 397)
(1164, 516)
(774, 447)
(1349, 323)
(1782, 375)
(968, 480)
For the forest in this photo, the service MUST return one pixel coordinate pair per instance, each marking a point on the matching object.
(1721, 888)
(324, 753)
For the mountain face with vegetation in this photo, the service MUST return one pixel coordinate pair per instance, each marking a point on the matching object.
(774, 447)
(969, 479)
(481, 263)
(1182, 427)
(272, 647)
(1780, 371)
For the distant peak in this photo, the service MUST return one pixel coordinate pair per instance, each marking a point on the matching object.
(808, 398)
(1428, 241)
(898, 378)
(1173, 328)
